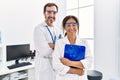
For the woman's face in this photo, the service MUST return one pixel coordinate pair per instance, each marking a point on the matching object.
(71, 27)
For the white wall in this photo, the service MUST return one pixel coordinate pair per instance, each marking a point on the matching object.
(106, 37)
(17, 20)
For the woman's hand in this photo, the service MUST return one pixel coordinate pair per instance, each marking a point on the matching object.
(76, 64)
(80, 72)
(77, 71)
(66, 61)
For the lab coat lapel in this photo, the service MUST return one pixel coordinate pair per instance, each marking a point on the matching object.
(48, 36)
(66, 41)
(77, 40)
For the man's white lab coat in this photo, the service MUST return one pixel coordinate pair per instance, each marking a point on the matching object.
(43, 64)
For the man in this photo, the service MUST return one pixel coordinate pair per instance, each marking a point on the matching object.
(45, 36)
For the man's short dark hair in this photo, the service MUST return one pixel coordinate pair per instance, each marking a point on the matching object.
(49, 5)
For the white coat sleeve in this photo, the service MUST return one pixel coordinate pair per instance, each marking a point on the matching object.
(41, 43)
(88, 61)
(57, 65)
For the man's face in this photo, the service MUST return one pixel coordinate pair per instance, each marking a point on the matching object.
(50, 15)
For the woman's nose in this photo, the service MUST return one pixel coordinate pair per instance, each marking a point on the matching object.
(71, 26)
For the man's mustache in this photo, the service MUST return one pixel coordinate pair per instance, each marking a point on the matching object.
(51, 17)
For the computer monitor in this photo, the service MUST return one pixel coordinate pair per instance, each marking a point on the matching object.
(16, 52)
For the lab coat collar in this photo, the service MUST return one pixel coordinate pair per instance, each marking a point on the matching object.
(66, 41)
(45, 24)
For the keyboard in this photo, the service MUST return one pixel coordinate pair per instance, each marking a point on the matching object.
(19, 65)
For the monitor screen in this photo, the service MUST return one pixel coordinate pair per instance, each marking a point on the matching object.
(16, 52)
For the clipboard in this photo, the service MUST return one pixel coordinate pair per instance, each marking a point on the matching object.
(74, 52)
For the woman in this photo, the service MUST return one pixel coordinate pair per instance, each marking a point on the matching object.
(62, 65)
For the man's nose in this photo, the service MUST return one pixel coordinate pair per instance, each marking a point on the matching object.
(52, 14)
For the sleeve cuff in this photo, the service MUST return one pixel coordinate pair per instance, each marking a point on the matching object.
(84, 63)
(64, 71)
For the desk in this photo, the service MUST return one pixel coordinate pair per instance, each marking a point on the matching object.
(14, 74)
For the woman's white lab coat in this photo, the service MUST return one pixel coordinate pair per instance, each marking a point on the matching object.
(60, 69)
(43, 67)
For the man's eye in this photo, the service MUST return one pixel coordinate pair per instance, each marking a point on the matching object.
(54, 12)
(50, 11)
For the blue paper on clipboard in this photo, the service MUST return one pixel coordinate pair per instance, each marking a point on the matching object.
(74, 52)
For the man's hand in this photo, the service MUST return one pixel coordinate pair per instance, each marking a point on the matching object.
(51, 45)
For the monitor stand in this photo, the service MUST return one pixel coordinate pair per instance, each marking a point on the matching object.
(16, 61)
